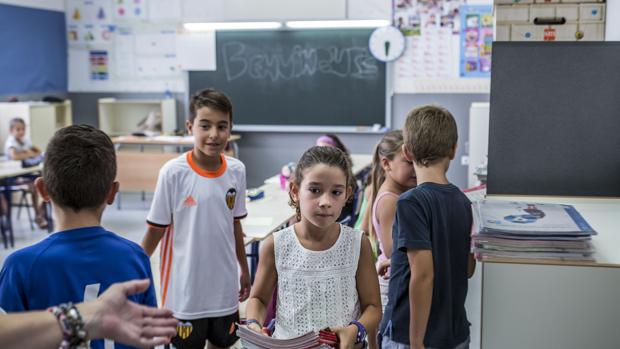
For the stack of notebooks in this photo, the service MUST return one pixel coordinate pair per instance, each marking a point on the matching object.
(524, 230)
(311, 340)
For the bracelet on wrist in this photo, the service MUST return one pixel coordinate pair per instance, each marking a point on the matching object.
(249, 322)
(74, 334)
(361, 331)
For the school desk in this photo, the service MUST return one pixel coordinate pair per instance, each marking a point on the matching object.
(8, 171)
(272, 212)
(557, 304)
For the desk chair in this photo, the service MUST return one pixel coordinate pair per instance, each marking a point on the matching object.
(349, 218)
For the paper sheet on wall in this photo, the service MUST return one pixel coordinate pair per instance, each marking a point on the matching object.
(197, 51)
(89, 22)
(130, 10)
(431, 61)
(476, 40)
(165, 10)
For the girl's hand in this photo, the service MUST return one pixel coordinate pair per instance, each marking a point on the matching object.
(347, 336)
(383, 268)
(255, 327)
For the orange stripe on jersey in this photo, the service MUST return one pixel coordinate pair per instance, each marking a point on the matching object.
(167, 267)
(163, 257)
(209, 174)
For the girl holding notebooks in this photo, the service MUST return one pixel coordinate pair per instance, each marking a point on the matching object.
(324, 270)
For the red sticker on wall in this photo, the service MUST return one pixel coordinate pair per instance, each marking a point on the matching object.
(549, 34)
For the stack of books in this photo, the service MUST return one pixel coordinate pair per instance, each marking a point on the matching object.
(311, 340)
(524, 230)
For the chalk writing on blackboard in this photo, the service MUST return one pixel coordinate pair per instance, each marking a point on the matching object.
(240, 60)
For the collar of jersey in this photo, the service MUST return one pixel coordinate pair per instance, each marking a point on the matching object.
(80, 232)
(202, 172)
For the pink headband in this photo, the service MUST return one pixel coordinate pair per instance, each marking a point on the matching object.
(326, 140)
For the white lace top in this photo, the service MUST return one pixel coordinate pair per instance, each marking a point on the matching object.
(316, 289)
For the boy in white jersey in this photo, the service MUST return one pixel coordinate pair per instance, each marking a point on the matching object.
(198, 202)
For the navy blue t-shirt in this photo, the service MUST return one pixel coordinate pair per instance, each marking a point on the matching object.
(434, 217)
(70, 265)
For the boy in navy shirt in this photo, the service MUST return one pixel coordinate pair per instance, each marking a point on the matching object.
(81, 260)
(431, 261)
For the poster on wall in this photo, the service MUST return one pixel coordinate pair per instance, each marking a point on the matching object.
(99, 65)
(476, 40)
(130, 9)
(431, 29)
(89, 22)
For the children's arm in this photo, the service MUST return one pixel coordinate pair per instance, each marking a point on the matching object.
(244, 279)
(386, 210)
(14, 155)
(368, 291)
(420, 294)
(471, 265)
(366, 223)
(264, 284)
(36, 151)
(151, 239)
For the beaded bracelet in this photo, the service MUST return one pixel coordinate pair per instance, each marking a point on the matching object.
(72, 326)
(361, 331)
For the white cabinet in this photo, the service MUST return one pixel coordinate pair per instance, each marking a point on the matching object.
(42, 120)
(119, 117)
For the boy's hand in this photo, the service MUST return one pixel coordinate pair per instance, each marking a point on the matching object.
(244, 283)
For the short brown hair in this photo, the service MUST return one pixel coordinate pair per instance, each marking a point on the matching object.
(79, 167)
(14, 121)
(430, 134)
(210, 98)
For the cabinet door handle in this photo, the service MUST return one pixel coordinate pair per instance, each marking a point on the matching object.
(549, 20)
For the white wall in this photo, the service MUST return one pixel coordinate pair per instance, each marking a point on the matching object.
(56, 5)
(612, 25)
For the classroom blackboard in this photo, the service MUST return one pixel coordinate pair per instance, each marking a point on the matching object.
(555, 119)
(298, 78)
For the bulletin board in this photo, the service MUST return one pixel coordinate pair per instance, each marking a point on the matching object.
(123, 45)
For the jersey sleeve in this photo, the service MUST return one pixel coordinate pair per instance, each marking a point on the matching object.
(160, 214)
(240, 211)
(412, 228)
(12, 287)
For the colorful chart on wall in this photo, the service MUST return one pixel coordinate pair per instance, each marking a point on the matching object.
(476, 40)
(130, 10)
(89, 22)
(434, 32)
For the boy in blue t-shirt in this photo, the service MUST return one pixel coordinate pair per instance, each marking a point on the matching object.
(431, 261)
(81, 260)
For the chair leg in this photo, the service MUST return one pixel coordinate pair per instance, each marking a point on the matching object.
(24, 202)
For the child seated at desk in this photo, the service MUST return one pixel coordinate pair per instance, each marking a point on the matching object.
(18, 147)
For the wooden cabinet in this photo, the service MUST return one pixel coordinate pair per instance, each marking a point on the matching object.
(42, 120)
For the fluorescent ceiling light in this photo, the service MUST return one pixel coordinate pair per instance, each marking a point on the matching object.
(231, 26)
(374, 23)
